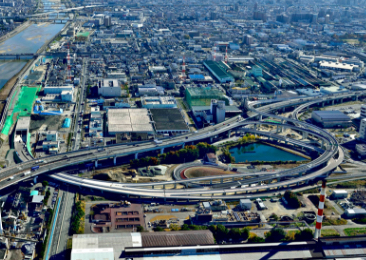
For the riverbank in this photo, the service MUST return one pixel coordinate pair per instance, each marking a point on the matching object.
(17, 30)
(5, 91)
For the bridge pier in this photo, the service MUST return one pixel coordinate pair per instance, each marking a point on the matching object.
(300, 174)
(333, 102)
(304, 135)
(153, 187)
(115, 160)
(211, 139)
(162, 150)
(211, 182)
(136, 155)
(233, 179)
(260, 117)
(222, 180)
(96, 163)
(164, 187)
(356, 98)
(175, 185)
(323, 104)
(229, 134)
(184, 145)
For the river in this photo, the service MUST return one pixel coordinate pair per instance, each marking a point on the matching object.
(29, 40)
(262, 152)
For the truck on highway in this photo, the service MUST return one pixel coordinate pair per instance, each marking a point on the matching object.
(26, 173)
(35, 168)
(101, 149)
(157, 141)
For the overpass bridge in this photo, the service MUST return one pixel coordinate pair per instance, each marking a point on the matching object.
(331, 157)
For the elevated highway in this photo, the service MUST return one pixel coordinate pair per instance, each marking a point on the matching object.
(331, 155)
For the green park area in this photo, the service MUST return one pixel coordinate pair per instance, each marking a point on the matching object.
(22, 107)
(355, 231)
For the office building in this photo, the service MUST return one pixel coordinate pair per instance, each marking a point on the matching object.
(362, 131)
(218, 111)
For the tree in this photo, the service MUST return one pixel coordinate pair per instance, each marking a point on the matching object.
(158, 229)
(174, 227)
(221, 233)
(275, 235)
(140, 229)
(185, 227)
(44, 183)
(235, 234)
(304, 235)
(255, 239)
(245, 233)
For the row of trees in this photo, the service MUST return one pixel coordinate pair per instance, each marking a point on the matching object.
(279, 235)
(188, 154)
(221, 233)
(76, 218)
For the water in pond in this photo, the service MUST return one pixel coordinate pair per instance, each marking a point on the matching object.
(262, 152)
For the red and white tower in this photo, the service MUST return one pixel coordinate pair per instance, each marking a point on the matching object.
(319, 217)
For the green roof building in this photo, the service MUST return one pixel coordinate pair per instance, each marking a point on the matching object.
(219, 71)
(203, 96)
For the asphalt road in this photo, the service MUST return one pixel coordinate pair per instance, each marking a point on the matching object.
(82, 95)
(62, 228)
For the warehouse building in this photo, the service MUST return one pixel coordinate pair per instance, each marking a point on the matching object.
(329, 119)
(22, 127)
(111, 246)
(109, 88)
(217, 69)
(129, 121)
(339, 194)
(169, 121)
(338, 66)
(159, 102)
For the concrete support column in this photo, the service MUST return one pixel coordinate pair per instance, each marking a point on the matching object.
(307, 182)
(183, 145)
(259, 183)
(164, 187)
(136, 155)
(341, 100)
(115, 160)
(277, 129)
(162, 150)
(356, 98)
(210, 182)
(283, 110)
(298, 184)
(278, 179)
(323, 104)
(333, 102)
(175, 185)
(222, 180)
(255, 127)
(260, 117)
(211, 139)
(153, 187)
(229, 134)
(233, 179)
(96, 163)
(300, 174)
(323, 144)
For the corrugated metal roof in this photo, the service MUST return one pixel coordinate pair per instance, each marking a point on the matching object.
(177, 238)
(332, 115)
